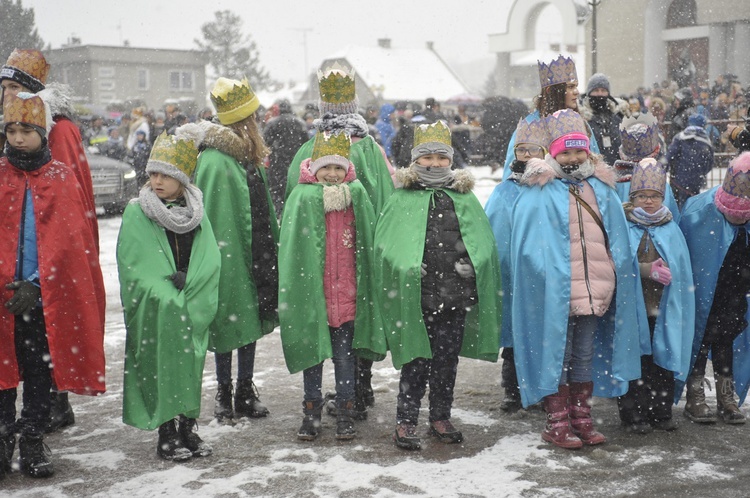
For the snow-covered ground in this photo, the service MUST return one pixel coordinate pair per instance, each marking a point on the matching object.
(502, 454)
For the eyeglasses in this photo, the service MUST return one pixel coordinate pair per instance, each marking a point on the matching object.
(532, 151)
(643, 197)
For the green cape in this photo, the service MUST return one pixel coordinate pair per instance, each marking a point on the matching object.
(369, 165)
(167, 329)
(305, 335)
(226, 201)
(399, 247)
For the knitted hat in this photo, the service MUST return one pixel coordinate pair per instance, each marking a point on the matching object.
(337, 90)
(560, 70)
(234, 100)
(598, 80)
(432, 138)
(26, 67)
(29, 109)
(648, 175)
(697, 120)
(172, 156)
(330, 148)
(567, 130)
(534, 132)
(733, 197)
(640, 137)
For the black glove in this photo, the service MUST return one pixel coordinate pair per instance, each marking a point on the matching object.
(25, 297)
(178, 279)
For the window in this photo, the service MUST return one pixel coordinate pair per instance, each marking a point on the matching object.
(106, 85)
(106, 72)
(181, 81)
(143, 78)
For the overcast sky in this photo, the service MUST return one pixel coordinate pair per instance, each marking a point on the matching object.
(458, 28)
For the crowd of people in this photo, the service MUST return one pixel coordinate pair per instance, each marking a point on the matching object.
(595, 274)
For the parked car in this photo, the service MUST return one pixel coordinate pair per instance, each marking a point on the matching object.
(114, 182)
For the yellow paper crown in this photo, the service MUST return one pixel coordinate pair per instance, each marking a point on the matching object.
(25, 108)
(182, 154)
(336, 84)
(331, 144)
(31, 62)
(435, 132)
(234, 100)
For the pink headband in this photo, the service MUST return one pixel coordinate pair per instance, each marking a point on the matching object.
(569, 141)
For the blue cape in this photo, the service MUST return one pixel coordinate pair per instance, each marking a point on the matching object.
(534, 116)
(499, 208)
(673, 333)
(708, 235)
(540, 258)
(623, 190)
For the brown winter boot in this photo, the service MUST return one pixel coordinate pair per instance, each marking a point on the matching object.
(557, 431)
(696, 408)
(580, 414)
(725, 402)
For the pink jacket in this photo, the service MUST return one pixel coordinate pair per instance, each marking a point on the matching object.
(340, 277)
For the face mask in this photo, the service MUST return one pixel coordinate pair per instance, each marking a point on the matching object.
(518, 166)
(434, 177)
(598, 104)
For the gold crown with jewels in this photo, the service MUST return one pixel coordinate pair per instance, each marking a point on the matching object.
(336, 84)
(435, 132)
(331, 144)
(234, 100)
(182, 154)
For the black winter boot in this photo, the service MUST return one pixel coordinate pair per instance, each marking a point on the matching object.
(191, 440)
(7, 446)
(345, 420)
(364, 381)
(310, 427)
(509, 381)
(61, 413)
(223, 407)
(170, 445)
(35, 456)
(246, 401)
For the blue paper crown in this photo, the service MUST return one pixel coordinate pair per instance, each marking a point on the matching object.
(560, 70)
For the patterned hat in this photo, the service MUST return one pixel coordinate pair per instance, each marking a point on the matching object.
(432, 138)
(560, 70)
(640, 137)
(337, 90)
(28, 109)
(173, 156)
(733, 197)
(26, 67)
(567, 130)
(234, 100)
(534, 132)
(330, 148)
(648, 175)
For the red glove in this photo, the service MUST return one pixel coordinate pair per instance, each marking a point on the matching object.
(660, 273)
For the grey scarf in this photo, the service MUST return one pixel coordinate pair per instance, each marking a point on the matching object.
(434, 177)
(178, 219)
(582, 172)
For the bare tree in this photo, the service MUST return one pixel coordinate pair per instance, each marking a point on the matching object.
(231, 53)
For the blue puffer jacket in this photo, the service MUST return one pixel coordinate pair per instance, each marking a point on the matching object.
(385, 128)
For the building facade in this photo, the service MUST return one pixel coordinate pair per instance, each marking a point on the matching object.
(142, 76)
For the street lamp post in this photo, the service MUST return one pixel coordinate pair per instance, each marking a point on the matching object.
(594, 52)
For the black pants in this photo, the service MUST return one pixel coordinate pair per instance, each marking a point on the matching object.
(508, 375)
(649, 399)
(32, 355)
(445, 330)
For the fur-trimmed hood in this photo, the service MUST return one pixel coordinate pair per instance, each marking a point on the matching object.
(335, 197)
(616, 106)
(540, 172)
(208, 135)
(463, 180)
(57, 97)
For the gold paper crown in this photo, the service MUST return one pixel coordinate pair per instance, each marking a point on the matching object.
(31, 62)
(560, 70)
(534, 132)
(234, 100)
(564, 122)
(648, 175)
(182, 154)
(435, 132)
(25, 108)
(640, 136)
(336, 84)
(331, 144)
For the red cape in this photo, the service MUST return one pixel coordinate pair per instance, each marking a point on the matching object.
(66, 146)
(71, 279)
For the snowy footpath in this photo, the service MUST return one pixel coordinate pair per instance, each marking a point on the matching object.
(502, 455)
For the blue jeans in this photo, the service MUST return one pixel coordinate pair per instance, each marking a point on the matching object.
(579, 349)
(344, 363)
(245, 364)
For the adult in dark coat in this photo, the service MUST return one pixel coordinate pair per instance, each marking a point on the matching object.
(284, 135)
(690, 157)
(604, 114)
